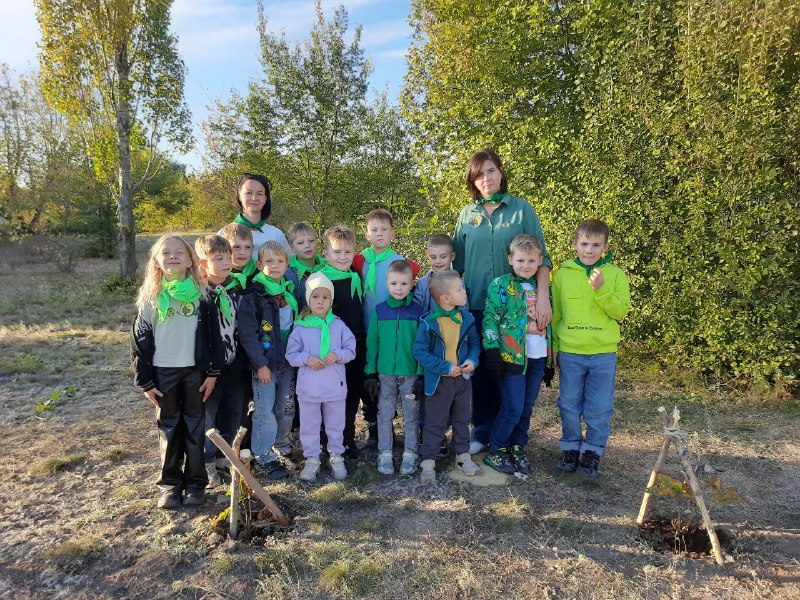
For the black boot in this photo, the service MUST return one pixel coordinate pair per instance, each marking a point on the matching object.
(569, 461)
(589, 465)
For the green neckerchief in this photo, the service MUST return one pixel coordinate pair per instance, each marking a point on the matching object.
(239, 279)
(454, 314)
(303, 269)
(242, 220)
(316, 322)
(393, 303)
(589, 268)
(184, 291)
(283, 288)
(335, 274)
(493, 199)
(223, 302)
(372, 259)
(248, 270)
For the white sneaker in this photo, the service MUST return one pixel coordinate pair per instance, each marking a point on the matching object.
(428, 473)
(310, 469)
(465, 462)
(213, 476)
(476, 447)
(385, 463)
(410, 463)
(337, 467)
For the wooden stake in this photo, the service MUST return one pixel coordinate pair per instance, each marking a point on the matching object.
(259, 491)
(233, 529)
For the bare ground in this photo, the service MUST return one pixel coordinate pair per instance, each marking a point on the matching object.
(78, 516)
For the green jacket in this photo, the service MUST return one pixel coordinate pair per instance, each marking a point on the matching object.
(481, 243)
(585, 321)
(505, 321)
(390, 338)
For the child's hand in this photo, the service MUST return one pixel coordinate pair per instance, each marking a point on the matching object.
(596, 280)
(555, 360)
(467, 367)
(208, 387)
(264, 374)
(455, 371)
(330, 359)
(153, 396)
(315, 363)
(544, 312)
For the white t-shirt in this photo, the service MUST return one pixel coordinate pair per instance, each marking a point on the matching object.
(535, 344)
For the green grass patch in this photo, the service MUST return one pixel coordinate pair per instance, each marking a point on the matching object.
(222, 564)
(12, 363)
(512, 507)
(53, 464)
(355, 574)
(73, 554)
(282, 558)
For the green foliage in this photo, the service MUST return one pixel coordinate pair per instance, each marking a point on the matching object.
(44, 405)
(677, 122)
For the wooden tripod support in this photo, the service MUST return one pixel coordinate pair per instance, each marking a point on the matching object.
(245, 474)
(674, 434)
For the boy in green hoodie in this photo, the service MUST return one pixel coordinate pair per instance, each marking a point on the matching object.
(590, 296)
(392, 368)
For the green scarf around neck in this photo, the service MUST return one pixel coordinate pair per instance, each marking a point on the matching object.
(589, 268)
(303, 269)
(493, 199)
(184, 291)
(222, 300)
(394, 303)
(454, 314)
(248, 271)
(315, 322)
(372, 259)
(283, 288)
(335, 274)
(239, 279)
(242, 220)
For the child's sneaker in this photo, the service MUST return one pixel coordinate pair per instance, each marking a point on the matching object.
(467, 465)
(410, 463)
(213, 476)
(272, 470)
(500, 461)
(385, 464)
(520, 460)
(310, 469)
(569, 460)
(428, 473)
(589, 465)
(338, 469)
(476, 447)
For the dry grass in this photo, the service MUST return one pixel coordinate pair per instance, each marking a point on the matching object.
(552, 536)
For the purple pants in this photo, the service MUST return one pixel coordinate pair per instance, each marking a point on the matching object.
(312, 415)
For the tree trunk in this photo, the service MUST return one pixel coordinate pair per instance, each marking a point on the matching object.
(126, 229)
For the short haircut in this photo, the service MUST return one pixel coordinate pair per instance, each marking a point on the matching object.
(231, 231)
(298, 229)
(475, 164)
(379, 214)
(440, 239)
(525, 243)
(272, 247)
(340, 233)
(592, 227)
(439, 283)
(208, 245)
(401, 266)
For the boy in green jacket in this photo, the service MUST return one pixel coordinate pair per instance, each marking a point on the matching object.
(392, 366)
(590, 296)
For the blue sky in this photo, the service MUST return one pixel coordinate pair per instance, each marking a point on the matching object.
(219, 43)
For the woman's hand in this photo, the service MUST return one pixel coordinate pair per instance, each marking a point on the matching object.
(153, 396)
(544, 312)
(208, 387)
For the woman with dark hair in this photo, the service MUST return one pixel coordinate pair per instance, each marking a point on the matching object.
(255, 206)
(483, 234)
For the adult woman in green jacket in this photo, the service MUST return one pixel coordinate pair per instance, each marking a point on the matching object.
(483, 234)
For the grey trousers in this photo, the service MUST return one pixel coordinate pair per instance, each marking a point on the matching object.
(451, 401)
(392, 387)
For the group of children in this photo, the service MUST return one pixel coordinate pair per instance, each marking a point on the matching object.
(305, 339)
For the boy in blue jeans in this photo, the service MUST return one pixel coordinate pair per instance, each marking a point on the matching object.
(516, 353)
(590, 296)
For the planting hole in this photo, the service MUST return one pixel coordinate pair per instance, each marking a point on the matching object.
(677, 537)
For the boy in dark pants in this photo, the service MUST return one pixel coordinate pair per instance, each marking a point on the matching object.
(340, 244)
(447, 347)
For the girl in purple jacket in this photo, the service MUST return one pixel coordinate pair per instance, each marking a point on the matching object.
(320, 345)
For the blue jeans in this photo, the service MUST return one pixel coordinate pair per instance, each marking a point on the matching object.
(586, 389)
(485, 393)
(518, 394)
(273, 414)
